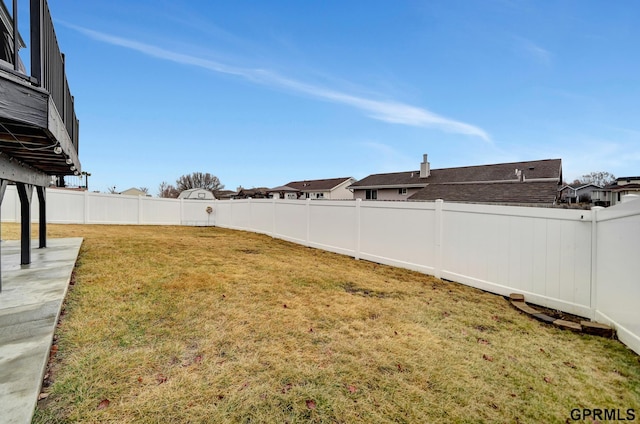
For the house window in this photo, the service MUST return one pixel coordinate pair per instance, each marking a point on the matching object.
(402, 191)
(371, 194)
(319, 195)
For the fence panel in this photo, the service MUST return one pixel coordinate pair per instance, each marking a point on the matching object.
(10, 211)
(617, 270)
(332, 226)
(261, 219)
(110, 208)
(194, 212)
(241, 214)
(63, 207)
(399, 234)
(290, 220)
(223, 213)
(156, 211)
(542, 253)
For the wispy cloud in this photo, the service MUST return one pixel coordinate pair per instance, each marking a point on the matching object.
(387, 111)
(597, 154)
(534, 51)
(387, 158)
(629, 132)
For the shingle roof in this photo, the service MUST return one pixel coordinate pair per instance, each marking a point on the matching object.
(496, 183)
(546, 168)
(542, 192)
(395, 179)
(256, 191)
(579, 186)
(632, 186)
(317, 185)
(284, 188)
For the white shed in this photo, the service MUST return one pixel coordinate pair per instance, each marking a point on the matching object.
(196, 193)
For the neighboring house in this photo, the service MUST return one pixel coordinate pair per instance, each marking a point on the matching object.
(284, 192)
(196, 193)
(612, 194)
(252, 193)
(577, 192)
(332, 188)
(134, 192)
(531, 183)
(226, 194)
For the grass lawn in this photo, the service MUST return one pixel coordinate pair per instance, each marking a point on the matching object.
(191, 325)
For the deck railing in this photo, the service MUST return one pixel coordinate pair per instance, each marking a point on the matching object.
(47, 65)
(47, 62)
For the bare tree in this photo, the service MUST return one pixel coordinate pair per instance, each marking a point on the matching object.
(187, 182)
(167, 190)
(199, 180)
(598, 178)
(145, 190)
(112, 190)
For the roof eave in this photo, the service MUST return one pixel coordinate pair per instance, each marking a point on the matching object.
(379, 187)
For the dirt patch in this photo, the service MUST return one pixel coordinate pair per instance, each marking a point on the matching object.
(554, 313)
(350, 287)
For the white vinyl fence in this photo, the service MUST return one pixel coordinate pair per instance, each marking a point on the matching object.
(543, 253)
(616, 270)
(83, 207)
(577, 261)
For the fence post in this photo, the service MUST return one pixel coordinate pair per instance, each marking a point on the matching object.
(215, 212)
(181, 211)
(308, 208)
(358, 219)
(437, 270)
(273, 215)
(593, 302)
(85, 215)
(139, 210)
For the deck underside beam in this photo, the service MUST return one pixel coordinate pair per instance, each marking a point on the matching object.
(13, 170)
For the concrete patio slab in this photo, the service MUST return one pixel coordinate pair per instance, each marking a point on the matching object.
(30, 304)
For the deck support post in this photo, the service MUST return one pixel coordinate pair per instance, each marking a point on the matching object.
(25, 191)
(3, 188)
(42, 201)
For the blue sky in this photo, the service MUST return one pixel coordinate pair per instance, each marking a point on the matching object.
(261, 93)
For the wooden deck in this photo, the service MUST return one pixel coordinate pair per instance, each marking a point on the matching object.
(38, 124)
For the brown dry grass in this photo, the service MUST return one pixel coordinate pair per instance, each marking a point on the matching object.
(190, 325)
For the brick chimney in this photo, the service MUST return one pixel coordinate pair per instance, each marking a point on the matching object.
(425, 168)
